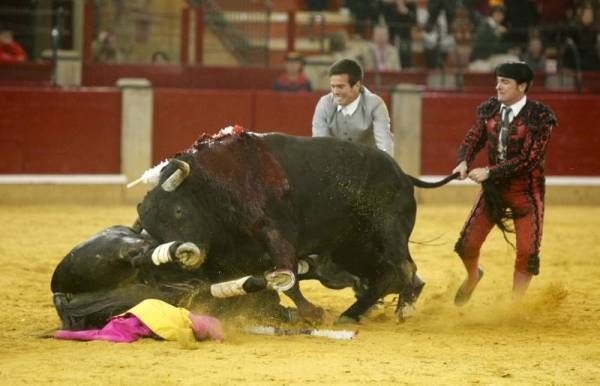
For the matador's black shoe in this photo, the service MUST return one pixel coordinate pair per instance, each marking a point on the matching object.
(463, 296)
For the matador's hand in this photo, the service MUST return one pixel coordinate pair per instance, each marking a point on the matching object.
(462, 169)
(479, 174)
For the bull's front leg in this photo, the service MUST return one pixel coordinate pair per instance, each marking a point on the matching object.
(286, 264)
(187, 255)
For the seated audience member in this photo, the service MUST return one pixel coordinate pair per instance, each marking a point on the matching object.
(152, 318)
(437, 40)
(379, 54)
(448, 9)
(400, 16)
(585, 35)
(10, 50)
(521, 16)
(535, 55)
(293, 79)
(366, 13)
(488, 47)
(104, 48)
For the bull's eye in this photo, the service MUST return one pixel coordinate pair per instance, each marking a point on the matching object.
(178, 212)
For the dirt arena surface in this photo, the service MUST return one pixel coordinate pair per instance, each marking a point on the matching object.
(551, 337)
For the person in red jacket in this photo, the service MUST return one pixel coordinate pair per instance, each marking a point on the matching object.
(10, 50)
(293, 79)
(516, 130)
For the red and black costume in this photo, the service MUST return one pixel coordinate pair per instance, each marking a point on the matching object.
(518, 181)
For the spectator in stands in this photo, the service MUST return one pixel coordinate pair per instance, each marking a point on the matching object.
(339, 47)
(488, 44)
(10, 50)
(400, 16)
(585, 39)
(521, 16)
(555, 17)
(293, 79)
(437, 41)
(104, 48)
(535, 55)
(379, 54)
(160, 57)
(366, 14)
(447, 9)
(351, 112)
(316, 5)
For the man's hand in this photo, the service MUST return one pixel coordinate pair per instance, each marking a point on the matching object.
(462, 169)
(479, 174)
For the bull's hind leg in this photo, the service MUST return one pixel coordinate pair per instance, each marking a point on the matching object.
(379, 286)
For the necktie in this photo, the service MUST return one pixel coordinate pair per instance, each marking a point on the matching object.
(504, 130)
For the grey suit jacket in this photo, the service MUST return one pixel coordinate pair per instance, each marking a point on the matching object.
(369, 124)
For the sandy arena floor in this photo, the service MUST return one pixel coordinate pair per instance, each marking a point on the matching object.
(551, 337)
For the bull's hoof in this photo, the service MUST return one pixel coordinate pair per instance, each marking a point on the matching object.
(315, 315)
(345, 319)
(190, 256)
(404, 312)
(280, 279)
(290, 315)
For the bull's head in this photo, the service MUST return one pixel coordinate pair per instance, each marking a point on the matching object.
(174, 209)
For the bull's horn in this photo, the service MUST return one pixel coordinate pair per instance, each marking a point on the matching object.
(178, 176)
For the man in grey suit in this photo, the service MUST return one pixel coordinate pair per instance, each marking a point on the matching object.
(351, 112)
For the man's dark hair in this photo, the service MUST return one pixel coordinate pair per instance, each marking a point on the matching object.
(519, 71)
(349, 67)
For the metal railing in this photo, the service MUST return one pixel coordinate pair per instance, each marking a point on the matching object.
(244, 32)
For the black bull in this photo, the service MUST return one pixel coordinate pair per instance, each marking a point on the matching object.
(114, 270)
(260, 203)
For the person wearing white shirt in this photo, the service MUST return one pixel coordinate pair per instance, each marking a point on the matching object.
(351, 112)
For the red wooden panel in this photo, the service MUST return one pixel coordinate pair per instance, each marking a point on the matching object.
(60, 131)
(573, 145)
(25, 74)
(285, 112)
(573, 148)
(107, 74)
(391, 78)
(176, 76)
(180, 116)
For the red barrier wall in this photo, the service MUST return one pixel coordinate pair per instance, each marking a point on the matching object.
(180, 116)
(25, 74)
(55, 131)
(176, 76)
(288, 113)
(44, 130)
(573, 146)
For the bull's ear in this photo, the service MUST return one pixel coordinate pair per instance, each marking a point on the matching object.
(177, 177)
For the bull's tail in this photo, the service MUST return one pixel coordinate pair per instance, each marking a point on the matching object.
(424, 184)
